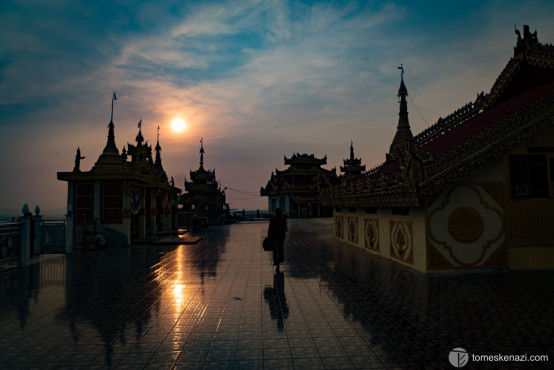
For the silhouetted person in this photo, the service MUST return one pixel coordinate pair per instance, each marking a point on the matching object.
(277, 301)
(276, 232)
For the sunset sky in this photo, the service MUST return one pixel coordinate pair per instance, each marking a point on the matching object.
(256, 79)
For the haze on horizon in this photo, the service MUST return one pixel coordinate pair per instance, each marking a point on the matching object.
(256, 80)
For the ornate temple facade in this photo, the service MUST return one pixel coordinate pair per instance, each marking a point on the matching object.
(125, 195)
(296, 189)
(204, 200)
(473, 191)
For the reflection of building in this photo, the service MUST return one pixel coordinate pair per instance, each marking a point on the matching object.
(204, 198)
(297, 188)
(475, 190)
(128, 200)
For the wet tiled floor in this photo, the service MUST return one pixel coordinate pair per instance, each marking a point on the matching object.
(220, 304)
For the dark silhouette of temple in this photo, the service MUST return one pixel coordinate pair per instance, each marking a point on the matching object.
(204, 200)
(125, 196)
(296, 189)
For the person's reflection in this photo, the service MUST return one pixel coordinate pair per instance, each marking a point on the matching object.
(277, 301)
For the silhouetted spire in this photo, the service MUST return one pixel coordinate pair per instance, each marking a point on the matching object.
(158, 149)
(352, 166)
(403, 131)
(139, 137)
(201, 153)
(110, 155)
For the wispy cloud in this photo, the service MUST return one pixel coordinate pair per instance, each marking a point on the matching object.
(257, 79)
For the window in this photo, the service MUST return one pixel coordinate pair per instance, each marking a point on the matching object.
(529, 176)
(111, 201)
(352, 209)
(371, 210)
(83, 200)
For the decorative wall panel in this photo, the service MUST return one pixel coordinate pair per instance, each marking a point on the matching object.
(371, 233)
(353, 229)
(401, 240)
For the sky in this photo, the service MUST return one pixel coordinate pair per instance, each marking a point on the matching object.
(257, 80)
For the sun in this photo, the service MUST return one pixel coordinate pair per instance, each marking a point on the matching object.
(178, 124)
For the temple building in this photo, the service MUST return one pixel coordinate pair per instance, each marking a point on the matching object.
(473, 191)
(122, 198)
(296, 189)
(353, 166)
(204, 200)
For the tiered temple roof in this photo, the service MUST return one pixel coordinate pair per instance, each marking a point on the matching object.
(303, 179)
(520, 103)
(115, 165)
(353, 166)
(203, 194)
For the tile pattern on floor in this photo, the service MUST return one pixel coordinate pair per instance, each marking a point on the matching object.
(220, 304)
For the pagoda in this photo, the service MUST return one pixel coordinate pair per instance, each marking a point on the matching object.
(353, 167)
(204, 200)
(296, 189)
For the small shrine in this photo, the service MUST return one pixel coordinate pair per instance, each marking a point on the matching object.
(473, 191)
(204, 200)
(296, 189)
(353, 166)
(125, 195)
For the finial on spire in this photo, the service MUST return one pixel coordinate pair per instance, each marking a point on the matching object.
(113, 98)
(201, 152)
(351, 150)
(139, 137)
(402, 91)
(158, 149)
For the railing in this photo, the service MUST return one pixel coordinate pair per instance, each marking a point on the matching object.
(10, 244)
(53, 236)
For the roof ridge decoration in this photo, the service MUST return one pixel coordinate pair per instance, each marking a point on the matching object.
(528, 50)
(305, 157)
(508, 133)
(415, 175)
(399, 189)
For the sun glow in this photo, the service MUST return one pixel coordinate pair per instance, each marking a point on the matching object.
(178, 125)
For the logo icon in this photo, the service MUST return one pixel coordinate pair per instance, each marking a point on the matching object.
(458, 357)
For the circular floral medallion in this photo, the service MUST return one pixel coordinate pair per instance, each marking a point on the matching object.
(465, 224)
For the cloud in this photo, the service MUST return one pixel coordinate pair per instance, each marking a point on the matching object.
(256, 79)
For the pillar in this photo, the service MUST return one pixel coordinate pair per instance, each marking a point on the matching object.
(26, 236)
(69, 231)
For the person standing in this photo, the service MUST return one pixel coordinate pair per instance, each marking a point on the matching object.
(276, 233)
